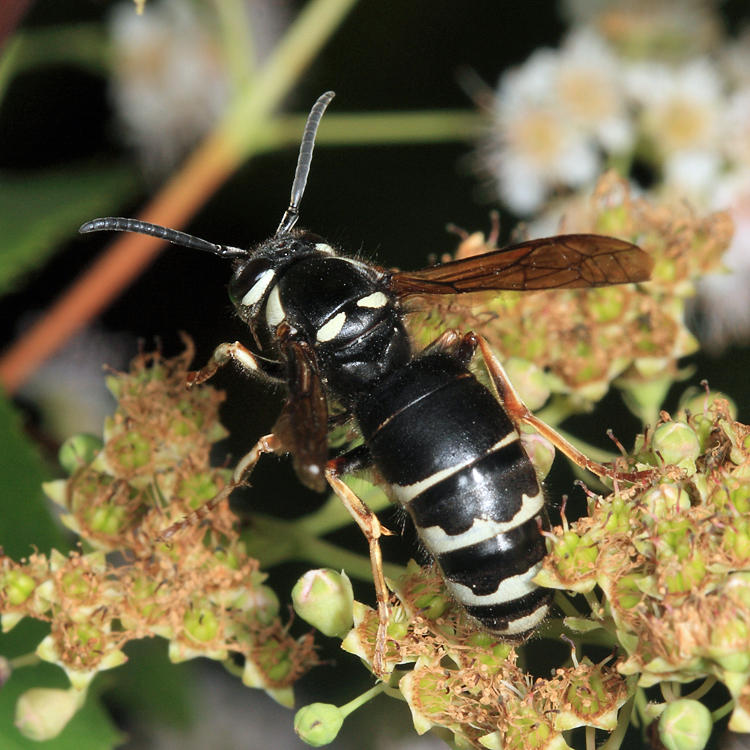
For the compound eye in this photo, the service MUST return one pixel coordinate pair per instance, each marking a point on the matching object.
(250, 282)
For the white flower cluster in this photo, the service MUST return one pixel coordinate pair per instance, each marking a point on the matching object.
(170, 77)
(554, 118)
(567, 114)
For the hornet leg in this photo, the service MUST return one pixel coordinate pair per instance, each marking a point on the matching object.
(223, 354)
(372, 529)
(519, 412)
(267, 444)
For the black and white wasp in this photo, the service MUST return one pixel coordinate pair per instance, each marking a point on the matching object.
(331, 328)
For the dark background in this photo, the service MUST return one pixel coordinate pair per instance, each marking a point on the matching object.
(390, 202)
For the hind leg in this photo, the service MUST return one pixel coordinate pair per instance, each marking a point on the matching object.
(519, 412)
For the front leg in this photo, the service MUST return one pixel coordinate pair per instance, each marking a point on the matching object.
(519, 412)
(223, 354)
(267, 444)
(372, 529)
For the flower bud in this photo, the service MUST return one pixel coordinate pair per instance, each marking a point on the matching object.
(677, 444)
(685, 725)
(324, 598)
(318, 724)
(78, 451)
(42, 713)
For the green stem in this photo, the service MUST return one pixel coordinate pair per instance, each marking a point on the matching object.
(273, 541)
(248, 115)
(557, 411)
(590, 738)
(623, 719)
(566, 605)
(593, 603)
(641, 703)
(360, 700)
(597, 454)
(356, 129)
(722, 711)
(25, 660)
(324, 554)
(702, 689)
(332, 515)
(237, 43)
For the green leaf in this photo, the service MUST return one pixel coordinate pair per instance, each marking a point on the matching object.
(81, 45)
(151, 687)
(90, 729)
(24, 517)
(39, 210)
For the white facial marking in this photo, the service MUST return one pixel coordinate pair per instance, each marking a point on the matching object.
(509, 589)
(258, 289)
(321, 247)
(332, 328)
(376, 299)
(274, 310)
(439, 542)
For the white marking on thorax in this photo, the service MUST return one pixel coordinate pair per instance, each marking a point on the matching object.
(322, 247)
(438, 542)
(405, 493)
(332, 328)
(508, 589)
(258, 289)
(376, 299)
(274, 309)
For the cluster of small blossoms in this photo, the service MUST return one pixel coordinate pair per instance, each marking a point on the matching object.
(672, 560)
(565, 114)
(651, 84)
(199, 589)
(465, 684)
(172, 73)
(671, 557)
(573, 344)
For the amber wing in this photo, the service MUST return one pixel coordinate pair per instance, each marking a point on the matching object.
(567, 261)
(302, 425)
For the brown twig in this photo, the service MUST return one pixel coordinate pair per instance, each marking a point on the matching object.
(122, 262)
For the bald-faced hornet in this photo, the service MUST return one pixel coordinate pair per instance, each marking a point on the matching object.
(331, 328)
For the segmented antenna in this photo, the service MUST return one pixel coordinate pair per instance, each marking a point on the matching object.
(121, 224)
(303, 162)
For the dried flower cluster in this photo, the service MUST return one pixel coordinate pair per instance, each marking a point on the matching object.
(576, 343)
(200, 590)
(672, 560)
(470, 683)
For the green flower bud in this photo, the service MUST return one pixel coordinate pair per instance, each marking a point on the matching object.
(529, 380)
(17, 586)
(79, 450)
(324, 598)
(318, 724)
(677, 444)
(130, 451)
(685, 725)
(42, 713)
(541, 452)
(201, 624)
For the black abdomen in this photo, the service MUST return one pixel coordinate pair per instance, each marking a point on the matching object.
(454, 460)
